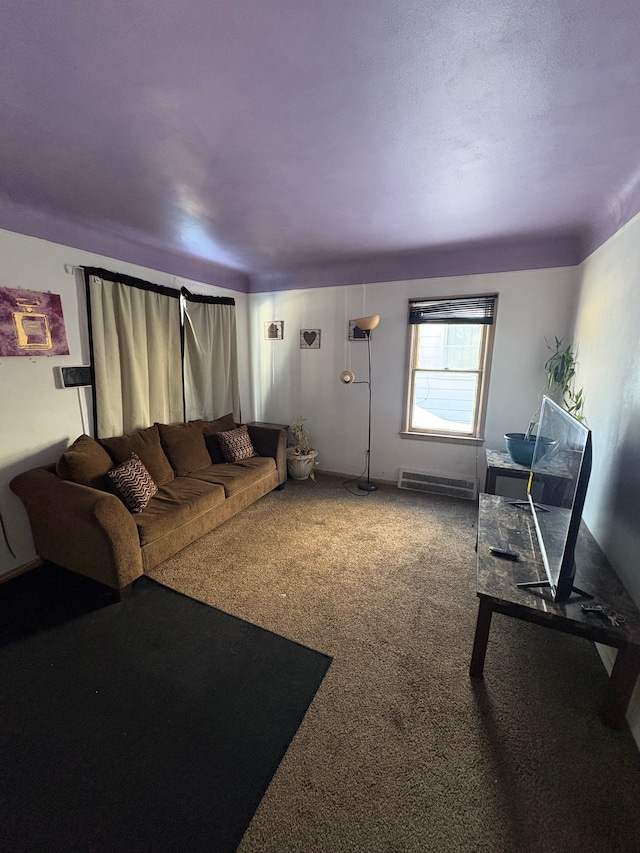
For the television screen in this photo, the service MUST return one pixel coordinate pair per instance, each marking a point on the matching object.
(556, 491)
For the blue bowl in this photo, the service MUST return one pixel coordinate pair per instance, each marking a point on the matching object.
(519, 448)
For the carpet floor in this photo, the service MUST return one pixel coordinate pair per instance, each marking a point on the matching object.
(400, 750)
(151, 725)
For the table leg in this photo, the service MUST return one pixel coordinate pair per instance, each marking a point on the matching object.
(483, 625)
(620, 687)
(490, 481)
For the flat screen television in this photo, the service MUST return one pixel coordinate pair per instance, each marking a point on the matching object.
(556, 491)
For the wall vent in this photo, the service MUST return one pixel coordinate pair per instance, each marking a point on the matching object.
(435, 484)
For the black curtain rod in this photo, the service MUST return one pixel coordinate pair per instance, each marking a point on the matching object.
(141, 284)
(131, 281)
(209, 300)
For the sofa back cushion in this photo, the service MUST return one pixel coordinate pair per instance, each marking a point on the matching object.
(86, 463)
(146, 445)
(211, 429)
(185, 447)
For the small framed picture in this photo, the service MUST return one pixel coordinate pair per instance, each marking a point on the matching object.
(274, 330)
(355, 332)
(309, 338)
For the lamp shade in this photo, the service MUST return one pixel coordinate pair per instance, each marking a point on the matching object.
(347, 377)
(367, 323)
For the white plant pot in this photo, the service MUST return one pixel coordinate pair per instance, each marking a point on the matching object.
(300, 466)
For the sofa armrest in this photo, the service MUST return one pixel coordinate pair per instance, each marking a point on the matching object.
(271, 441)
(83, 529)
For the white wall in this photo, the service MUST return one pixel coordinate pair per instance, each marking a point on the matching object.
(288, 381)
(607, 334)
(37, 419)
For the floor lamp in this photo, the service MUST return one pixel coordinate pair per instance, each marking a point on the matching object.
(367, 325)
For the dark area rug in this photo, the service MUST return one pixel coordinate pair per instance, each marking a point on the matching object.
(155, 724)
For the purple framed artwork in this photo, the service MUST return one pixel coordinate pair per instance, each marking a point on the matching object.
(31, 323)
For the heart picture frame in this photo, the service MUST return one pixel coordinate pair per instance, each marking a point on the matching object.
(309, 338)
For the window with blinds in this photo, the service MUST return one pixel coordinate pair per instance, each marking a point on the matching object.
(449, 349)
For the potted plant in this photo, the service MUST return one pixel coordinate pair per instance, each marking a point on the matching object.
(301, 458)
(560, 370)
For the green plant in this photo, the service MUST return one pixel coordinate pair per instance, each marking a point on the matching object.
(299, 432)
(560, 370)
(302, 448)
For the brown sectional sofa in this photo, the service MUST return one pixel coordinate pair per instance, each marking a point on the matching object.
(80, 523)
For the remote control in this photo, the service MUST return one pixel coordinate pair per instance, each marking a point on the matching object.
(505, 553)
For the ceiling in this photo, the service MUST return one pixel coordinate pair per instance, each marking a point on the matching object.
(265, 144)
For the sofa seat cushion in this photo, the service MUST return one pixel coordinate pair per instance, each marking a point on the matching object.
(235, 476)
(174, 504)
(146, 445)
(184, 446)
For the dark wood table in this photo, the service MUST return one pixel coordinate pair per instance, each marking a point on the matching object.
(267, 424)
(506, 526)
(500, 464)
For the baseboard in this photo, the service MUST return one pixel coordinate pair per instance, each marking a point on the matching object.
(608, 656)
(20, 570)
(357, 478)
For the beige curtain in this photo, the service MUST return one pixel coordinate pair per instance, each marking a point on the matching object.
(136, 355)
(210, 357)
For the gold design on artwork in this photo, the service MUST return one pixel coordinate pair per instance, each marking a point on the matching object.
(32, 329)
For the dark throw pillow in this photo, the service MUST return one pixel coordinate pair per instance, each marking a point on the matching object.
(133, 483)
(236, 444)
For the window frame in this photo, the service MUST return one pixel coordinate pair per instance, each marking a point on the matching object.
(483, 372)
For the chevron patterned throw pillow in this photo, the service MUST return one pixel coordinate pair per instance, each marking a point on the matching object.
(133, 483)
(236, 444)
